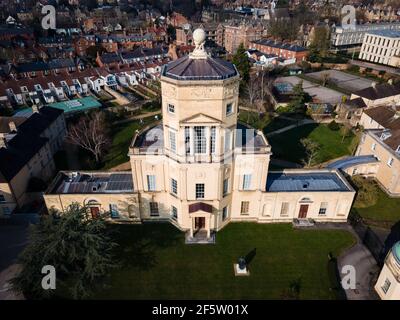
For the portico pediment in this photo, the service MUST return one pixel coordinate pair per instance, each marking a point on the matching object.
(200, 118)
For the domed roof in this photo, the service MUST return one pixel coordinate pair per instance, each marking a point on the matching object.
(187, 68)
(396, 251)
(199, 65)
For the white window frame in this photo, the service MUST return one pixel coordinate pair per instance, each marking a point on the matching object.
(323, 209)
(246, 182)
(225, 187)
(213, 132)
(151, 182)
(386, 286)
(187, 140)
(228, 140)
(244, 208)
(390, 162)
(200, 140)
(373, 146)
(224, 213)
(114, 209)
(154, 209)
(172, 140)
(285, 209)
(174, 186)
(230, 109)
(171, 108)
(174, 213)
(199, 192)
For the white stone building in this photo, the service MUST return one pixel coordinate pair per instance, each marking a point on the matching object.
(200, 169)
(388, 284)
(381, 47)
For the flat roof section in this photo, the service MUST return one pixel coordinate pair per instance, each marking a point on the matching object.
(302, 181)
(77, 105)
(92, 183)
(385, 33)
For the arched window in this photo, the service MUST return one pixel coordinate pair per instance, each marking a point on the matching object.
(306, 200)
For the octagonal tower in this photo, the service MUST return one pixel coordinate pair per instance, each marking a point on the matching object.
(194, 162)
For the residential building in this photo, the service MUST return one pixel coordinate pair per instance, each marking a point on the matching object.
(215, 32)
(286, 51)
(379, 94)
(342, 38)
(382, 140)
(244, 33)
(26, 153)
(200, 169)
(381, 47)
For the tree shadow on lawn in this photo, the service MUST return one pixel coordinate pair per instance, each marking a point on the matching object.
(391, 239)
(288, 146)
(138, 245)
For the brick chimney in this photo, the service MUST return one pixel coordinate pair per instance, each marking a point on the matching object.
(3, 141)
(12, 126)
(35, 108)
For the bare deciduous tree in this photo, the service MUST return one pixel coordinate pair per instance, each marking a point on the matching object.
(252, 89)
(91, 134)
(325, 78)
(312, 149)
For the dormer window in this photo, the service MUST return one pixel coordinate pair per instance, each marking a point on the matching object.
(398, 149)
(385, 135)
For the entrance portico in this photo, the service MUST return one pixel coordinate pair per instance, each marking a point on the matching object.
(200, 214)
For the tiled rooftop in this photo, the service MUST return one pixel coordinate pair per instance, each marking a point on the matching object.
(305, 181)
(86, 183)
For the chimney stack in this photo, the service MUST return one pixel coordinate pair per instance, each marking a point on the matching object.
(35, 108)
(3, 141)
(12, 126)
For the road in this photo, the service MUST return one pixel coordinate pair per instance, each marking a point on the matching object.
(376, 66)
(13, 239)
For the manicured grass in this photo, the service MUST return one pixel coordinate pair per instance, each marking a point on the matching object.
(156, 264)
(265, 122)
(122, 136)
(287, 145)
(385, 212)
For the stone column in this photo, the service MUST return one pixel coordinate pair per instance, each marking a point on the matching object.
(207, 133)
(208, 227)
(191, 130)
(191, 228)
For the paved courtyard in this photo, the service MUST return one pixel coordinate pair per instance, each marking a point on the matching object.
(343, 80)
(317, 92)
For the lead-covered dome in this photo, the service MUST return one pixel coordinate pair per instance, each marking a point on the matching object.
(187, 68)
(199, 65)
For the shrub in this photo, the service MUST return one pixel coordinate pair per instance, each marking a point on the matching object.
(334, 126)
(367, 192)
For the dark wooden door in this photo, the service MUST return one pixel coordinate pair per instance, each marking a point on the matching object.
(200, 223)
(95, 212)
(303, 211)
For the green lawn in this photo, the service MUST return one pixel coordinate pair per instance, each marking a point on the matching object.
(266, 123)
(287, 145)
(122, 136)
(385, 212)
(156, 264)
